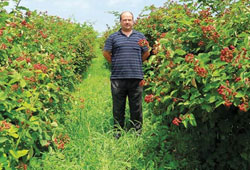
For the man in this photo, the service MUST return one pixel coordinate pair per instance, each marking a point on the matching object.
(126, 56)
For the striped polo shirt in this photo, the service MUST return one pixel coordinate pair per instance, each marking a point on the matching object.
(126, 55)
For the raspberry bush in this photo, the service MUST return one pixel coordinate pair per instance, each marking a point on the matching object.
(41, 59)
(198, 75)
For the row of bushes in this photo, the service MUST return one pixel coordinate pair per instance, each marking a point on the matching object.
(42, 57)
(197, 83)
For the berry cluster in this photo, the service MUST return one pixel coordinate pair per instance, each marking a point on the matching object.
(176, 121)
(14, 87)
(167, 54)
(197, 21)
(163, 35)
(179, 30)
(142, 83)
(205, 13)
(3, 46)
(156, 48)
(40, 67)
(1, 32)
(52, 56)
(63, 61)
(42, 34)
(4, 125)
(241, 54)
(28, 60)
(24, 22)
(237, 79)
(143, 43)
(243, 106)
(61, 140)
(189, 58)
(201, 43)
(200, 71)
(227, 94)
(149, 98)
(210, 33)
(227, 54)
(31, 79)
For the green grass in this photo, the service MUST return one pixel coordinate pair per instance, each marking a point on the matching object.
(92, 145)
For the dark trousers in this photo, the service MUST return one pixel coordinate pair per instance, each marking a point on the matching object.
(121, 89)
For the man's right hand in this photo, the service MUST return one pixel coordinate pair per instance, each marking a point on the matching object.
(107, 55)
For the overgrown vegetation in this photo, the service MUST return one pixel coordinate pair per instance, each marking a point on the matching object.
(41, 60)
(196, 109)
(199, 75)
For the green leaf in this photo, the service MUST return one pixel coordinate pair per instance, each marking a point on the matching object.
(22, 83)
(12, 132)
(163, 41)
(186, 103)
(244, 156)
(185, 123)
(27, 73)
(3, 96)
(195, 95)
(239, 95)
(193, 122)
(206, 107)
(21, 108)
(28, 94)
(13, 129)
(30, 154)
(216, 73)
(203, 58)
(15, 78)
(35, 120)
(60, 156)
(193, 82)
(52, 86)
(6, 3)
(218, 103)
(212, 99)
(54, 124)
(3, 139)
(173, 92)
(22, 8)
(18, 154)
(178, 59)
(192, 35)
(180, 52)
(15, 135)
(43, 142)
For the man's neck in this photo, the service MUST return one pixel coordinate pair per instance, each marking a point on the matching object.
(127, 33)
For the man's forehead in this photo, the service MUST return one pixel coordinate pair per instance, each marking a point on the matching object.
(127, 15)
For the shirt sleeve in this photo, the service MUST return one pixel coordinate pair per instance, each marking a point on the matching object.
(108, 44)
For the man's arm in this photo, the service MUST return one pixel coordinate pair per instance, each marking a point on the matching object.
(145, 55)
(107, 55)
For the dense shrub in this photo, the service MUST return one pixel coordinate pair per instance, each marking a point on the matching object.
(199, 75)
(41, 59)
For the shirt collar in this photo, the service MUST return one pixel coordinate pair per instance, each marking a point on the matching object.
(120, 32)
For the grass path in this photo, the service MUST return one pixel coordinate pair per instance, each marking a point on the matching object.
(92, 145)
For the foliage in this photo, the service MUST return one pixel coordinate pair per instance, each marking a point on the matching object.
(41, 59)
(199, 76)
(92, 145)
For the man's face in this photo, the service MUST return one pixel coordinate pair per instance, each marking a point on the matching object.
(127, 21)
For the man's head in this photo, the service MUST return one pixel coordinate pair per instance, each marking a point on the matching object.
(127, 20)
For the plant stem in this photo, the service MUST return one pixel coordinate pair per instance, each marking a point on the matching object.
(18, 3)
